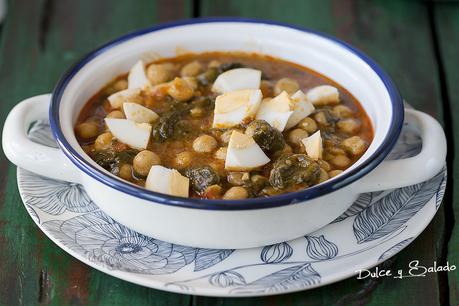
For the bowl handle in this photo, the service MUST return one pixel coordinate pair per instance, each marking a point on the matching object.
(32, 156)
(413, 170)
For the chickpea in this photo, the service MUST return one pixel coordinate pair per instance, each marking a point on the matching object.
(334, 173)
(287, 149)
(116, 114)
(266, 88)
(332, 141)
(237, 178)
(160, 73)
(212, 192)
(87, 130)
(125, 171)
(354, 145)
(321, 119)
(193, 82)
(349, 126)
(221, 153)
(103, 141)
(342, 111)
(191, 69)
(138, 99)
(214, 64)
(119, 146)
(336, 151)
(327, 156)
(295, 136)
(144, 160)
(341, 161)
(324, 165)
(183, 159)
(215, 133)
(197, 112)
(308, 124)
(120, 85)
(155, 93)
(258, 179)
(134, 98)
(323, 175)
(225, 137)
(236, 193)
(286, 84)
(204, 144)
(270, 191)
(301, 149)
(218, 166)
(180, 90)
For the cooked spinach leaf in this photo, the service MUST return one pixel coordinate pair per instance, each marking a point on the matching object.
(289, 170)
(202, 177)
(268, 138)
(111, 160)
(165, 126)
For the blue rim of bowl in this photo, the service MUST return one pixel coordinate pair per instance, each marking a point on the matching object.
(254, 203)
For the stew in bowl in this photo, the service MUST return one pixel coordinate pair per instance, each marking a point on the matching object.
(223, 125)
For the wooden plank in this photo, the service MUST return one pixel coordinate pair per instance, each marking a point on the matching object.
(15, 228)
(396, 34)
(446, 21)
(40, 40)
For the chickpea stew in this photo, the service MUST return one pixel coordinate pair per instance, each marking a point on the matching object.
(223, 125)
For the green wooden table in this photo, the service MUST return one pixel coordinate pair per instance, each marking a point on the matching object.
(417, 43)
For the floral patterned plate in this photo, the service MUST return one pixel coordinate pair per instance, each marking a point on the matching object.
(377, 226)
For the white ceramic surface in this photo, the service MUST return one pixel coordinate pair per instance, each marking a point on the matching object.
(214, 228)
(377, 226)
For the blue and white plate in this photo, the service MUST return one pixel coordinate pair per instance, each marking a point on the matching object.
(377, 226)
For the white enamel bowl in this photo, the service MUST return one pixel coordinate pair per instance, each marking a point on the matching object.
(218, 223)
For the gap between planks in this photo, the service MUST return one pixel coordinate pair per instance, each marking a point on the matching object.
(443, 283)
(47, 13)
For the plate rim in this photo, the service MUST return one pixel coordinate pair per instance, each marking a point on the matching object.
(153, 283)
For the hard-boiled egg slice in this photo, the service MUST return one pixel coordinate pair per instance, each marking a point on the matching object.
(135, 135)
(243, 153)
(313, 145)
(301, 109)
(139, 113)
(117, 99)
(323, 95)
(237, 79)
(137, 77)
(276, 111)
(168, 181)
(236, 107)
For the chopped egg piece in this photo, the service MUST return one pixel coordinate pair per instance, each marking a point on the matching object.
(139, 113)
(323, 95)
(168, 181)
(301, 107)
(276, 111)
(128, 95)
(236, 107)
(137, 77)
(237, 79)
(313, 145)
(243, 153)
(135, 135)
